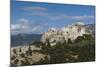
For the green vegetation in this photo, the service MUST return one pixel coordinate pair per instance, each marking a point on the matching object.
(81, 50)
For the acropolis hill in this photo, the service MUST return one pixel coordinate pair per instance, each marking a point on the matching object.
(69, 32)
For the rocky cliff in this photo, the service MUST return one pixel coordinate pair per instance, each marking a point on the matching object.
(71, 32)
(27, 55)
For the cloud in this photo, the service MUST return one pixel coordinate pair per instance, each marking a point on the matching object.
(63, 17)
(25, 26)
(38, 29)
(52, 16)
(43, 12)
(38, 13)
(81, 17)
(22, 26)
(33, 8)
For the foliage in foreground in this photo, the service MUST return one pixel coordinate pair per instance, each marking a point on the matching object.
(81, 50)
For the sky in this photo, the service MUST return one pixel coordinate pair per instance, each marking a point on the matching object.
(37, 17)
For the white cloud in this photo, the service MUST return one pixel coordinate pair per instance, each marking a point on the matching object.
(25, 26)
(35, 28)
(38, 29)
(22, 24)
(82, 17)
(34, 8)
(23, 20)
(39, 13)
(42, 11)
(61, 17)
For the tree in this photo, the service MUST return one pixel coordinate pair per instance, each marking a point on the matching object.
(69, 41)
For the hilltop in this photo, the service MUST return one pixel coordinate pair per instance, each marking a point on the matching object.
(70, 32)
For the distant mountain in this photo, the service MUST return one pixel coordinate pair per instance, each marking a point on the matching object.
(24, 39)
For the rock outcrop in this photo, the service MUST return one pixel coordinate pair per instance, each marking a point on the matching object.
(64, 34)
(27, 55)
